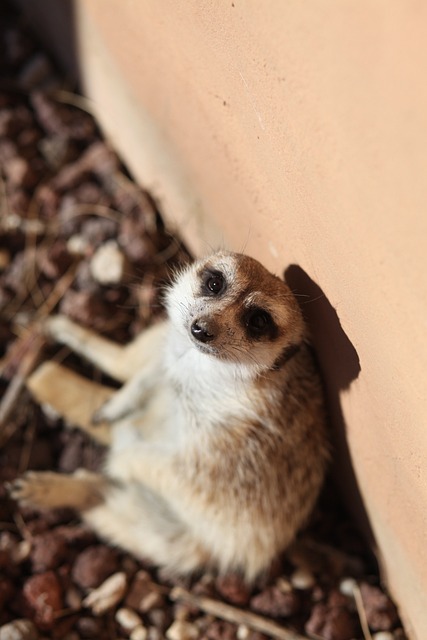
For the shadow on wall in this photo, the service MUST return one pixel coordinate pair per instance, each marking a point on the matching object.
(340, 366)
(55, 23)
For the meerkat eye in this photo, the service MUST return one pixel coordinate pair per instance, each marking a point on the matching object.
(259, 323)
(214, 283)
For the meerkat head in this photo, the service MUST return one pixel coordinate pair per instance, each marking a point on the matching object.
(228, 306)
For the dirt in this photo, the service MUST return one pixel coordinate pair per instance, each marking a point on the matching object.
(78, 236)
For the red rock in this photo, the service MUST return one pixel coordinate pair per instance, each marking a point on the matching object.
(43, 594)
(381, 613)
(49, 550)
(143, 594)
(331, 623)
(233, 589)
(93, 565)
(6, 590)
(219, 630)
(275, 603)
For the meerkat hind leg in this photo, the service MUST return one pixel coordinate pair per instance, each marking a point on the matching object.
(72, 396)
(140, 521)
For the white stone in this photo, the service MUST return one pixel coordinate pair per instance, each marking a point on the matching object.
(77, 245)
(107, 595)
(108, 263)
(181, 630)
(19, 630)
(347, 586)
(383, 635)
(139, 633)
(302, 579)
(152, 600)
(243, 632)
(128, 618)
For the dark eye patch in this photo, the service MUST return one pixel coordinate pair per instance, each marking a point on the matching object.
(213, 283)
(259, 324)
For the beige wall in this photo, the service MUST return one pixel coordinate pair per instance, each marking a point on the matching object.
(297, 131)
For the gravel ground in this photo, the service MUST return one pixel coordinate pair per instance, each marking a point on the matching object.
(79, 237)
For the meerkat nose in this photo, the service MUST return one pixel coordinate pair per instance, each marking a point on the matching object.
(200, 332)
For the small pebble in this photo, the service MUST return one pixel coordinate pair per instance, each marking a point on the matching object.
(232, 588)
(89, 627)
(21, 552)
(4, 259)
(283, 585)
(139, 633)
(128, 619)
(78, 245)
(152, 600)
(19, 630)
(108, 264)
(273, 602)
(107, 595)
(347, 586)
(7, 588)
(243, 632)
(48, 551)
(160, 618)
(381, 613)
(93, 565)
(154, 634)
(9, 543)
(302, 579)
(73, 599)
(331, 623)
(143, 595)
(129, 565)
(181, 630)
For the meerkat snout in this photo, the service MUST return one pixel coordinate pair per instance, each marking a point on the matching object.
(202, 331)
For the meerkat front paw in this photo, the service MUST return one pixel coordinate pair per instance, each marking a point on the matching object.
(111, 411)
(35, 489)
(49, 490)
(58, 328)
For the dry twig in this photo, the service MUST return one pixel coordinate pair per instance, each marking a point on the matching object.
(233, 614)
(361, 612)
(33, 347)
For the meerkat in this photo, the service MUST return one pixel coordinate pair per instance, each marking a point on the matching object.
(218, 441)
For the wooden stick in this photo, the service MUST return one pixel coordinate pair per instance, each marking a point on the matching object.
(235, 615)
(16, 385)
